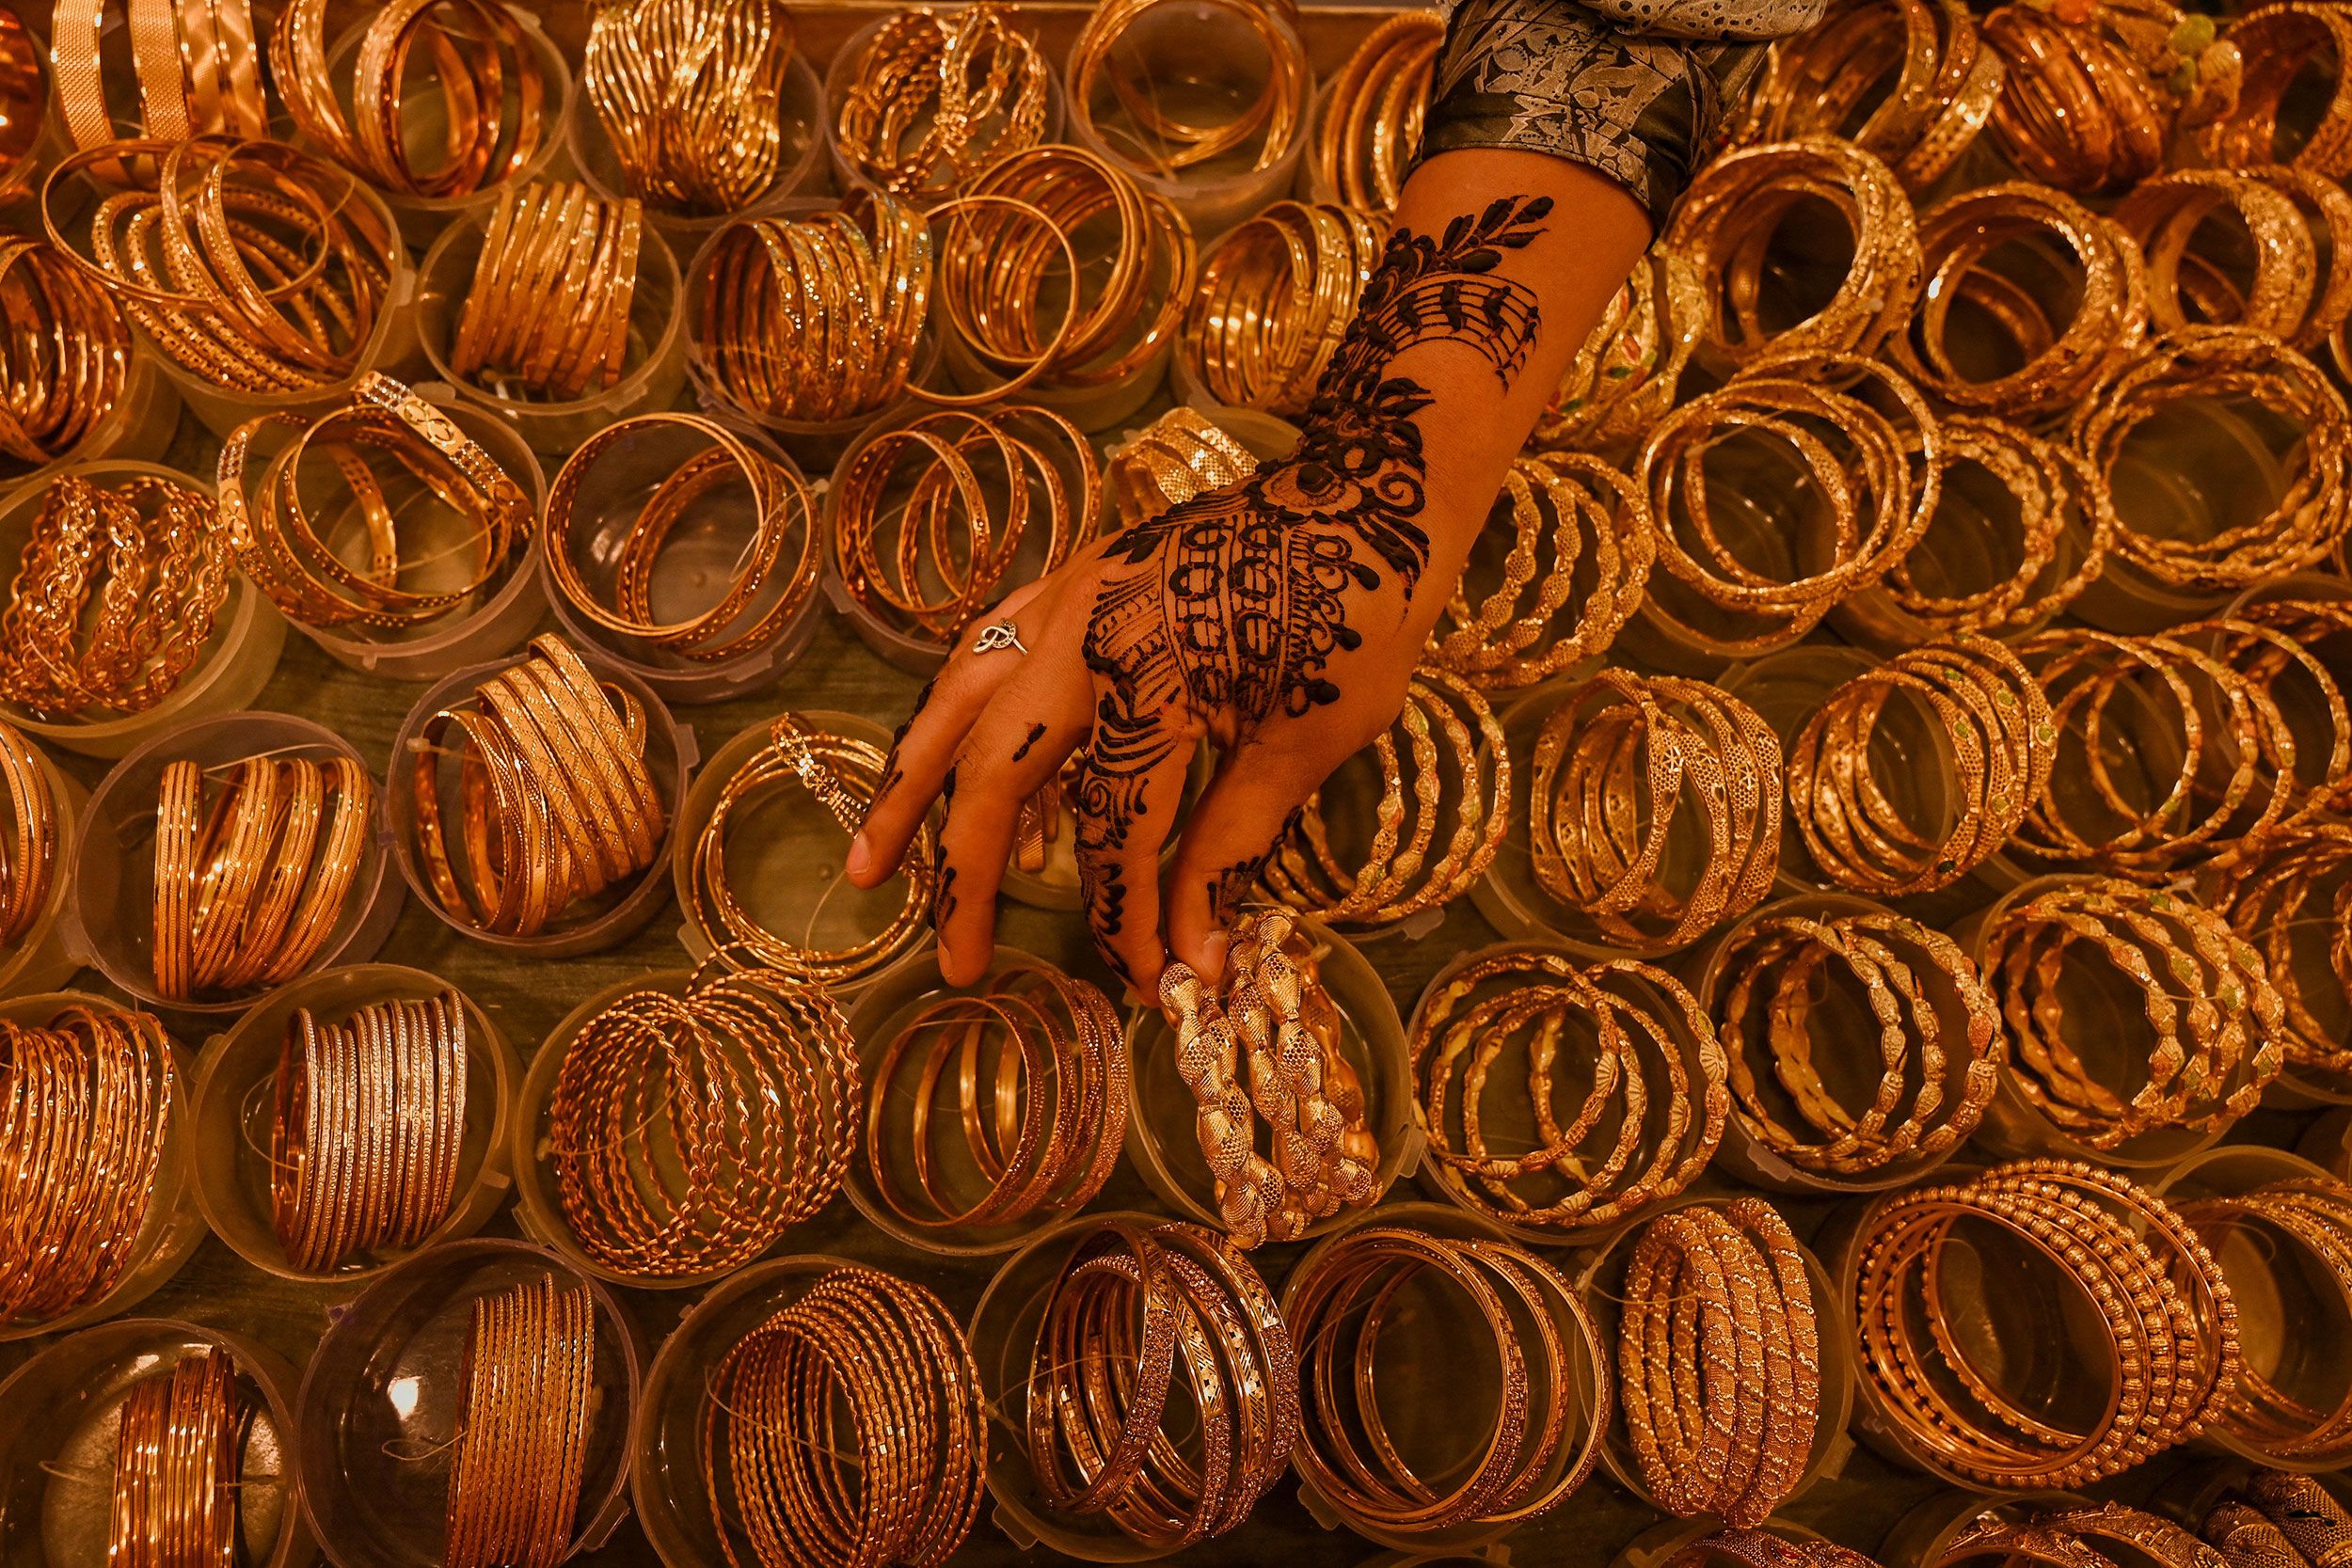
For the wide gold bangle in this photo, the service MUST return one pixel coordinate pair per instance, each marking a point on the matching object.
(1177, 457)
(1625, 376)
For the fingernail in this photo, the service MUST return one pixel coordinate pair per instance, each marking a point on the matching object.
(1213, 959)
(860, 856)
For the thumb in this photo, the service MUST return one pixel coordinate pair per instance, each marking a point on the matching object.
(1234, 828)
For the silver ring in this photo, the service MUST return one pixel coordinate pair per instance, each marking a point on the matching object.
(999, 634)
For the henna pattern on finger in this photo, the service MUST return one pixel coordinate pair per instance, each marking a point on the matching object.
(1233, 889)
(943, 898)
(892, 775)
(1037, 732)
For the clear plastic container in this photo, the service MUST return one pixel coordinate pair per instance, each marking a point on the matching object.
(237, 660)
(49, 951)
(1093, 409)
(141, 421)
(2327, 1143)
(494, 621)
(114, 876)
(588, 926)
(1921, 1537)
(1602, 1284)
(58, 1471)
(1162, 1143)
(1662, 1542)
(698, 564)
(800, 164)
(847, 176)
(653, 366)
(235, 1101)
(379, 1405)
(175, 1222)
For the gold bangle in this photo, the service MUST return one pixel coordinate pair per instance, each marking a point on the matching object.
(940, 95)
(1274, 296)
(1368, 128)
(526, 1416)
(1256, 135)
(179, 1459)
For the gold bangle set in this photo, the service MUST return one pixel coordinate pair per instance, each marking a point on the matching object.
(816, 319)
(1369, 127)
(555, 802)
(2276, 44)
(179, 1458)
(86, 1101)
(688, 1133)
(1104, 1425)
(2290, 898)
(1907, 79)
(842, 774)
(205, 252)
(196, 69)
(1040, 1087)
(2282, 214)
(1763, 1548)
(2109, 1532)
(2304, 1517)
(481, 55)
(1719, 1360)
(2088, 102)
(902, 1483)
(1625, 378)
(775, 575)
(526, 1417)
(252, 885)
(1617, 761)
(2081, 1237)
(423, 454)
(1551, 1405)
(1976, 735)
(1580, 535)
(1154, 143)
(1270, 1049)
(941, 94)
(2206, 1040)
(687, 93)
(369, 1129)
(65, 352)
(28, 855)
(929, 520)
(1274, 295)
(1940, 1044)
(24, 100)
(1178, 456)
(1460, 767)
(1655, 1064)
(547, 310)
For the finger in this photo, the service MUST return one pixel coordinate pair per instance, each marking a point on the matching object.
(1234, 828)
(1129, 786)
(1039, 715)
(925, 746)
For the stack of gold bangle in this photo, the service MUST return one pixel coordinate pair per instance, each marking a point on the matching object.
(1974, 244)
(2208, 364)
(1369, 126)
(814, 319)
(154, 556)
(86, 1104)
(939, 95)
(197, 69)
(213, 290)
(178, 1461)
(1971, 727)
(250, 890)
(1933, 1084)
(1719, 1360)
(1615, 763)
(523, 1427)
(1256, 136)
(2304, 1516)
(2086, 1238)
(480, 54)
(1551, 1405)
(1101, 1432)
(547, 310)
(2277, 45)
(1764, 1549)
(306, 576)
(2109, 1533)
(2244, 1535)
(904, 1482)
(2065, 521)
(1276, 293)
(28, 856)
(2205, 1046)
(1625, 378)
(1460, 767)
(558, 804)
(2282, 293)
(1877, 471)
(1909, 80)
(2087, 104)
(24, 101)
(752, 1080)
(687, 91)
(1580, 534)
(2301, 1231)
(1592, 1168)
(1272, 1044)
(929, 519)
(997, 267)
(2289, 896)
(1177, 457)
(65, 352)
(769, 587)
(369, 1124)
(1725, 227)
(1041, 1083)
(844, 775)
(2282, 649)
